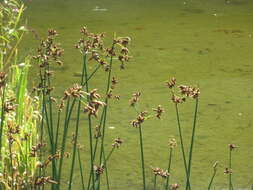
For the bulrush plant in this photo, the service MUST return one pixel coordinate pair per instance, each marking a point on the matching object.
(138, 123)
(88, 101)
(185, 92)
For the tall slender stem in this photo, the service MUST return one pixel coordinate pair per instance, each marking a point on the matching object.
(2, 119)
(169, 166)
(155, 176)
(89, 122)
(211, 181)
(230, 169)
(81, 168)
(182, 146)
(142, 159)
(192, 142)
(77, 126)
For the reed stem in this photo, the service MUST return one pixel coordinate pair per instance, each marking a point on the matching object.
(182, 147)
(192, 143)
(142, 159)
(169, 166)
(89, 122)
(155, 182)
(80, 168)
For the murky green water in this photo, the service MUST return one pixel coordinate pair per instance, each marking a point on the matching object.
(208, 43)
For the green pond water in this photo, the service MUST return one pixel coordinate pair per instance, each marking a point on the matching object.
(204, 42)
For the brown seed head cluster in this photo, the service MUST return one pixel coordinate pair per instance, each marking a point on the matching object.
(97, 132)
(159, 110)
(160, 172)
(99, 170)
(49, 50)
(9, 105)
(227, 171)
(174, 186)
(94, 104)
(140, 119)
(117, 142)
(135, 98)
(178, 100)
(43, 180)
(36, 148)
(3, 77)
(75, 92)
(90, 41)
(171, 83)
(189, 91)
(172, 143)
(124, 52)
(232, 146)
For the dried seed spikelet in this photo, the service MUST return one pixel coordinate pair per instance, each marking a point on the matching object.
(227, 171)
(97, 132)
(232, 146)
(49, 50)
(160, 172)
(114, 81)
(189, 91)
(159, 110)
(43, 180)
(99, 170)
(174, 186)
(171, 83)
(134, 99)
(140, 119)
(177, 100)
(90, 42)
(117, 142)
(172, 143)
(94, 104)
(3, 77)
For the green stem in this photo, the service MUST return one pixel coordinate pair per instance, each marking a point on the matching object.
(182, 146)
(211, 181)
(155, 182)
(57, 130)
(230, 169)
(192, 142)
(169, 166)
(65, 131)
(142, 159)
(89, 122)
(77, 123)
(2, 120)
(105, 113)
(80, 168)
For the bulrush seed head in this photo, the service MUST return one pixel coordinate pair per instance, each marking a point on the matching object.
(171, 83)
(159, 110)
(3, 77)
(94, 104)
(178, 100)
(134, 99)
(117, 142)
(189, 91)
(174, 186)
(232, 146)
(227, 171)
(140, 119)
(160, 172)
(99, 170)
(172, 143)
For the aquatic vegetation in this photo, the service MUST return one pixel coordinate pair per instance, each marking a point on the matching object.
(35, 125)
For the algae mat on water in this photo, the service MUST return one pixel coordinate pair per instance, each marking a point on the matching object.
(208, 43)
